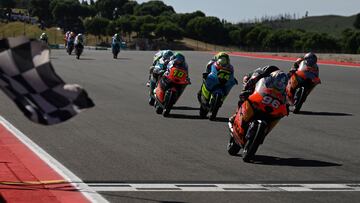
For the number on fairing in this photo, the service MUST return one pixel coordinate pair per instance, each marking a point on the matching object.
(178, 74)
(269, 100)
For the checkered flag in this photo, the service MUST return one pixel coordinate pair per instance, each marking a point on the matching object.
(29, 79)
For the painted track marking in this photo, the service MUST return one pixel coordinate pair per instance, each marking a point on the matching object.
(198, 187)
(70, 177)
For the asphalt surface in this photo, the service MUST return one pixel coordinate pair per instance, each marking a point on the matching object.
(123, 140)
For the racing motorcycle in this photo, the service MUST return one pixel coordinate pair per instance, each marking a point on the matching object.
(70, 47)
(256, 118)
(300, 84)
(169, 88)
(78, 50)
(211, 101)
(116, 50)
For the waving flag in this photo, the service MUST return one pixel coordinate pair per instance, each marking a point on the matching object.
(29, 79)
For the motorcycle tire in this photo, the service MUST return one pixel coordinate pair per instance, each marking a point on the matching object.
(170, 101)
(233, 148)
(299, 94)
(158, 109)
(215, 107)
(253, 142)
(203, 112)
(151, 101)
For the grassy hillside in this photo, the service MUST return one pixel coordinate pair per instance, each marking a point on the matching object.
(56, 36)
(330, 24)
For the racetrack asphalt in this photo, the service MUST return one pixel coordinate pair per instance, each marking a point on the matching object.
(123, 140)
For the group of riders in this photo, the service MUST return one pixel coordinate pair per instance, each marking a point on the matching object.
(268, 87)
(71, 41)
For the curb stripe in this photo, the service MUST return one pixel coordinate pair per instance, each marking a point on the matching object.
(292, 59)
(198, 187)
(71, 178)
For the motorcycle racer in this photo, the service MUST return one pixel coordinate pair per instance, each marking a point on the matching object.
(249, 82)
(212, 80)
(161, 59)
(310, 59)
(44, 37)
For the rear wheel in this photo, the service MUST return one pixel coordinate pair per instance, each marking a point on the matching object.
(233, 148)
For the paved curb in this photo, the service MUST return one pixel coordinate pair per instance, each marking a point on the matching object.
(291, 59)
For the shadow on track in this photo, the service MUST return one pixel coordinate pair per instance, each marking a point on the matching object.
(185, 108)
(183, 116)
(122, 58)
(136, 198)
(324, 113)
(86, 59)
(297, 162)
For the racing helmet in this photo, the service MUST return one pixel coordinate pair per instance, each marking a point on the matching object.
(310, 59)
(178, 58)
(279, 80)
(43, 35)
(222, 55)
(117, 36)
(167, 54)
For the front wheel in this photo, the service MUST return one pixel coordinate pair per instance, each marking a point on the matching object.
(215, 105)
(233, 148)
(255, 135)
(203, 112)
(151, 101)
(299, 99)
(159, 109)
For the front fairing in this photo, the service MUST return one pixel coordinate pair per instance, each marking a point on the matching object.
(177, 75)
(268, 101)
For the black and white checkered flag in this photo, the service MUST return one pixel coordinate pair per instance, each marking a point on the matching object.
(29, 79)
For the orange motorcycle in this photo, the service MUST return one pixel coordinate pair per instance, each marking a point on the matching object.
(256, 117)
(300, 84)
(169, 88)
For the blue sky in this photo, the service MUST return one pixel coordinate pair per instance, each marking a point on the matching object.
(242, 10)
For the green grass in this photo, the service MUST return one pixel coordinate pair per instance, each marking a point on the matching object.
(331, 24)
(56, 36)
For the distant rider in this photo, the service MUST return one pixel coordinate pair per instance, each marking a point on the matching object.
(79, 41)
(67, 34)
(70, 38)
(44, 37)
(211, 77)
(310, 59)
(161, 59)
(116, 41)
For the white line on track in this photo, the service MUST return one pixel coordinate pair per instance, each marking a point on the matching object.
(208, 187)
(87, 191)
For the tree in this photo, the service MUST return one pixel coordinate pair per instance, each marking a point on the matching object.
(147, 29)
(153, 8)
(357, 21)
(110, 9)
(208, 29)
(66, 14)
(168, 30)
(7, 4)
(41, 9)
(129, 7)
(96, 25)
(125, 24)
